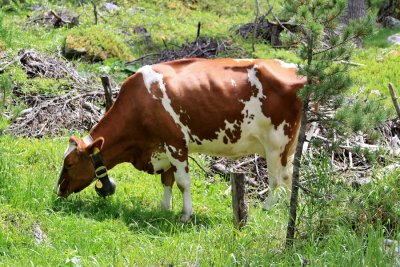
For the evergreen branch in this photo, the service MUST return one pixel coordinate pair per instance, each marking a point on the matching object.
(337, 45)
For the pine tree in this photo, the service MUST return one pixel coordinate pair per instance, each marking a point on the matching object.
(322, 46)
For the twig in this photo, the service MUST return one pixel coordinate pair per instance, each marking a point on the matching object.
(198, 164)
(141, 58)
(94, 11)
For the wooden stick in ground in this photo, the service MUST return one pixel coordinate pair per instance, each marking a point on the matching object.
(107, 91)
(198, 31)
(239, 204)
(394, 99)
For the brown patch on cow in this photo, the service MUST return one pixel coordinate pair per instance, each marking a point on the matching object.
(233, 135)
(155, 91)
(225, 140)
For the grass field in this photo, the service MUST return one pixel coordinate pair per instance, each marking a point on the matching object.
(346, 226)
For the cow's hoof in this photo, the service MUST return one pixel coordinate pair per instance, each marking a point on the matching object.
(186, 217)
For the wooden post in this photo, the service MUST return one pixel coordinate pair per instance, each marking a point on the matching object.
(107, 91)
(239, 203)
(394, 99)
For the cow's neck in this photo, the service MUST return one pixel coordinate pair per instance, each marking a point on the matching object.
(117, 144)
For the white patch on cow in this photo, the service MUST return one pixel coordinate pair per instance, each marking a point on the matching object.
(233, 82)
(167, 198)
(159, 161)
(244, 60)
(150, 77)
(287, 65)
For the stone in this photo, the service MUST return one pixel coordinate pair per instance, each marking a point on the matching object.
(394, 39)
(110, 7)
(390, 22)
(134, 10)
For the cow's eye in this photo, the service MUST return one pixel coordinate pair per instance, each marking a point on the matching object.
(68, 166)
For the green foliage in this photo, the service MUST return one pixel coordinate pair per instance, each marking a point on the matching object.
(320, 46)
(362, 115)
(97, 43)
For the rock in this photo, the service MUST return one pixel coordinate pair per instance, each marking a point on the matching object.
(390, 22)
(394, 39)
(110, 7)
(140, 30)
(134, 10)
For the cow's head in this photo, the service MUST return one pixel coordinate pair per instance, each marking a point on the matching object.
(77, 171)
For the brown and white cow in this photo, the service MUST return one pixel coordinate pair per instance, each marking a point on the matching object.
(220, 107)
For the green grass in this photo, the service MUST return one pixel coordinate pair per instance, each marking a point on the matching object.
(379, 38)
(130, 229)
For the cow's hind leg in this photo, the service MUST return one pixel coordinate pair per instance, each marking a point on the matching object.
(167, 179)
(180, 164)
(279, 175)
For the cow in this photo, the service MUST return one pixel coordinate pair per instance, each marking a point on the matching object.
(219, 107)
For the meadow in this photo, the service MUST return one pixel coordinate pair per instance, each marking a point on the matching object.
(342, 226)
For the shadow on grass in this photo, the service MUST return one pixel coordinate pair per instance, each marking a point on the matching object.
(134, 214)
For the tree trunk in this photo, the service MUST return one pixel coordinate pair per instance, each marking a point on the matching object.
(291, 228)
(356, 9)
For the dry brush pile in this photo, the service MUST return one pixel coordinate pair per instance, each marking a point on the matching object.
(76, 110)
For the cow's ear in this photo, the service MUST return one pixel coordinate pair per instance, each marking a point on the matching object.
(96, 144)
(74, 140)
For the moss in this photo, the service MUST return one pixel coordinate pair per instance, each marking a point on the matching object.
(96, 44)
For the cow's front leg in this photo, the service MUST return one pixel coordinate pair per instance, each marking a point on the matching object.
(167, 179)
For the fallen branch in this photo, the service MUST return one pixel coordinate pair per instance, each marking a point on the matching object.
(351, 63)
(8, 64)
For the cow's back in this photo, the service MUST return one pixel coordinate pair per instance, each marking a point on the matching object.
(232, 107)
